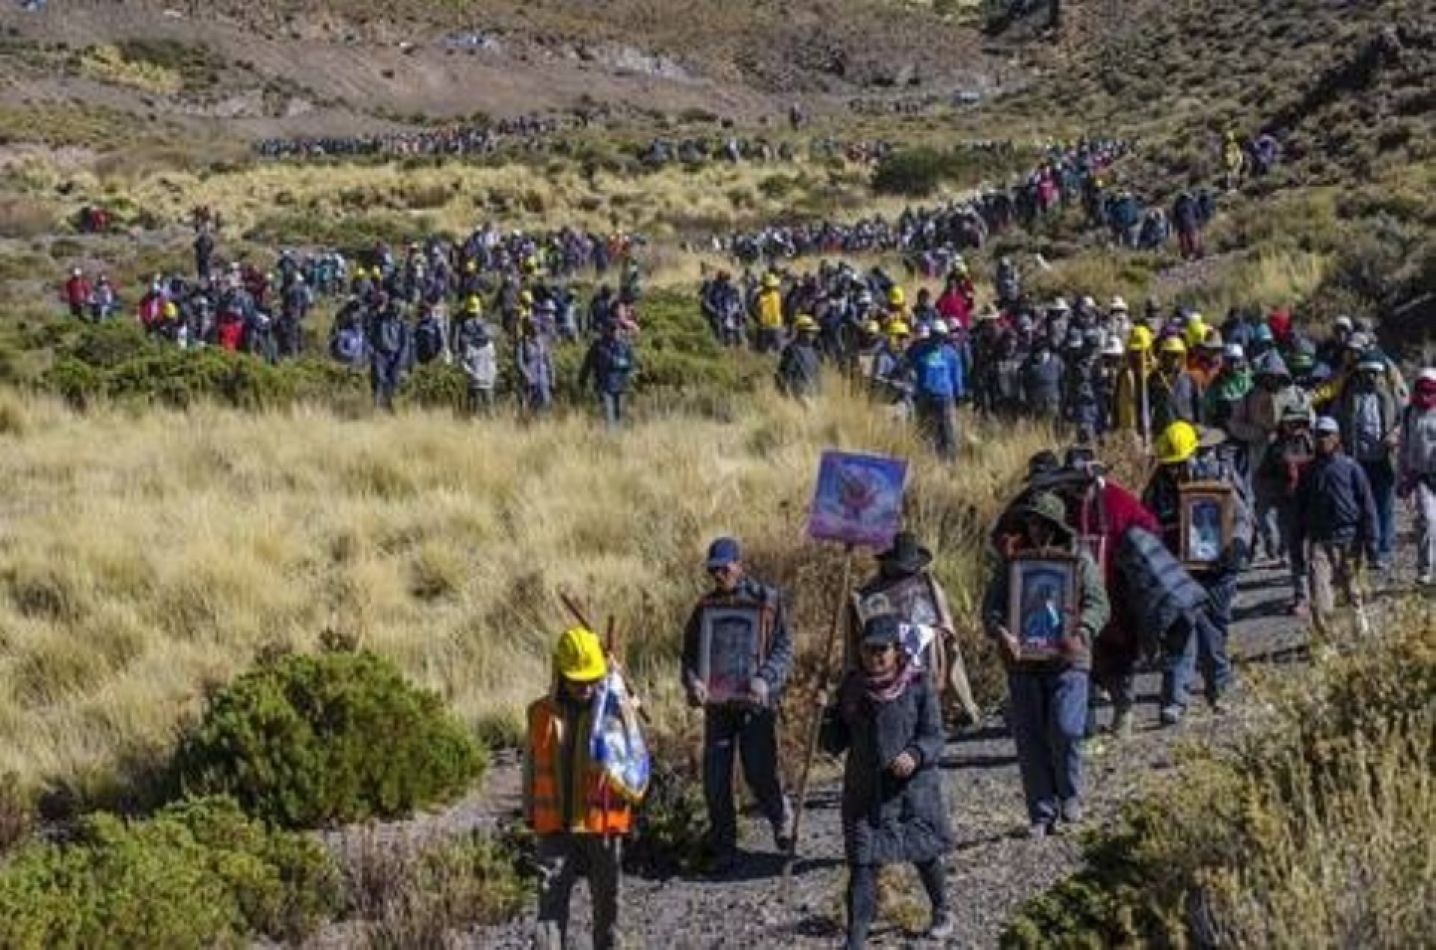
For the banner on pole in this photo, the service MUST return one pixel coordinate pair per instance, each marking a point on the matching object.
(858, 499)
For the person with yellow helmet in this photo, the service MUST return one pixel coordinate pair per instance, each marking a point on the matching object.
(891, 381)
(799, 366)
(578, 818)
(1172, 392)
(1215, 535)
(768, 313)
(739, 716)
(1131, 399)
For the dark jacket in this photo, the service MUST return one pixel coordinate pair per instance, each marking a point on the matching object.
(775, 658)
(609, 364)
(799, 370)
(1334, 502)
(887, 819)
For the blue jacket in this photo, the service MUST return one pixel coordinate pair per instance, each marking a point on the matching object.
(1334, 502)
(936, 371)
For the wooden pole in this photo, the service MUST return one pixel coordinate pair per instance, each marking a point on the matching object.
(839, 614)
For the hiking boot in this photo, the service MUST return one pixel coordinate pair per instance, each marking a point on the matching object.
(1122, 724)
(1072, 811)
(1039, 829)
(1170, 715)
(1424, 580)
(942, 927)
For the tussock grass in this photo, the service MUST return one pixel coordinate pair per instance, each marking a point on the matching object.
(148, 556)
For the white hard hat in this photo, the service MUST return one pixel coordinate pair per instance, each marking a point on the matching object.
(1118, 304)
(939, 327)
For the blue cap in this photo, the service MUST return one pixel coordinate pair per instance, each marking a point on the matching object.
(1327, 425)
(723, 552)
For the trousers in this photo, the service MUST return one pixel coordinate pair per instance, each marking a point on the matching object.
(863, 896)
(1049, 718)
(562, 860)
(752, 734)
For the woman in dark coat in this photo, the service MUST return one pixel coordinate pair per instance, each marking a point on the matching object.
(887, 720)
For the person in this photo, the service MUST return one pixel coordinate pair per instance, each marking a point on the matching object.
(1255, 423)
(1172, 391)
(390, 346)
(1337, 522)
(203, 252)
(1276, 478)
(1369, 413)
(1186, 454)
(887, 720)
(610, 365)
(937, 378)
(478, 358)
(1048, 696)
(768, 313)
(903, 561)
(749, 722)
(1418, 469)
(77, 293)
(799, 373)
(1102, 512)
(1131, 400)
(533, 362)
(578, 819)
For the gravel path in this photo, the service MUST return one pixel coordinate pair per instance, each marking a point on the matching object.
(992, 870)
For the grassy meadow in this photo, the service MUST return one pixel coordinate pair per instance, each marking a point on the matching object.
(151, 555)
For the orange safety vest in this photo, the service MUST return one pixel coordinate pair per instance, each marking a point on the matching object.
(567, 795)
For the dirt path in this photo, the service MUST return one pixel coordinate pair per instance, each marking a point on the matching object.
(992, 870)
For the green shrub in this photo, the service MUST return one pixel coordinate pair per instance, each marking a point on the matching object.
(196, 874)
(306, 741)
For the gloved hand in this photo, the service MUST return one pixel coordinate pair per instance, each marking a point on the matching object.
(758, 691)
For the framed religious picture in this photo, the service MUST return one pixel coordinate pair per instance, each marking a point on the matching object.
(857, 499)
(915, 600)
(1207, 515)
(729, 641)
(1042, 601)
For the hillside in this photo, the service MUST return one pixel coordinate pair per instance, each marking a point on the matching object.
(292, 520)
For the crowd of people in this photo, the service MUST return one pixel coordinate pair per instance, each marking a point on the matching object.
(525, 130)
(929, 237)
(1087, 578)
(735, 149)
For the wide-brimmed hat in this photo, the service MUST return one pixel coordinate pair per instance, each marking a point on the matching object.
(906, 554)
(1049, 508)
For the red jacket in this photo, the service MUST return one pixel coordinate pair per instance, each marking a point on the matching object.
(955, 306)
(230, 332)
(77, 291)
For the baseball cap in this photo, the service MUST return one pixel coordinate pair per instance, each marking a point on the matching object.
(1325, 425)
(724, 551)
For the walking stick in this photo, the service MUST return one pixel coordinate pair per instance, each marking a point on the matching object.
(812, 747)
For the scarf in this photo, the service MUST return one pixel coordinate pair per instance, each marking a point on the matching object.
(890, 686)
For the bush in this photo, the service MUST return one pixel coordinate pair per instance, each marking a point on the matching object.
(306, 741)
(415, 895)
(1312, 832)
(197, 873)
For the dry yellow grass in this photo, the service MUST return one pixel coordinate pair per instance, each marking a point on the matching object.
(147, 555)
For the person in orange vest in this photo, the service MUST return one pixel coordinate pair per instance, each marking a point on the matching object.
(579, 820)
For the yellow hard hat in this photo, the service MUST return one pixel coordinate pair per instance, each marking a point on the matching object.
(579, 656)
(896, 297)
(472, 305)
(526, 296)
(471, 266)
(873, 327)
(530, 263)
(1196, 331)
(1140, 340)
(171, 311)
(805, 323)
(899, 328)
(1174, 344)
(1177, 443)
(770, 281)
